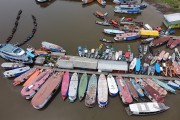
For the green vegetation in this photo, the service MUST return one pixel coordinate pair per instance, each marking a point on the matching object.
(172, 3)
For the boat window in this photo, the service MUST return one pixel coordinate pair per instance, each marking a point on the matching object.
(18, 50)
(20, 69)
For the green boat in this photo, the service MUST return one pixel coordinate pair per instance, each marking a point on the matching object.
(164, 85)
(82, 86)
(129, 48)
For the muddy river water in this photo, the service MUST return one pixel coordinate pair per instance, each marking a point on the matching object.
(68, 24)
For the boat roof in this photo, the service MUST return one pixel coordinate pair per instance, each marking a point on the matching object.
(172, 17)
(10, 48)
(149, 32)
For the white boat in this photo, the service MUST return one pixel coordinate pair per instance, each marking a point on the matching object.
(14, 53)
(113, 31)
(16, 72)
(132, 65)
(145, 49)
(113, 89)
(120, 55)
(147, 108)
(102, 23)
(131, 57)
(52, 47)
(102, 91)
(177, 82)
(11, 65)
(173, 85)
(117, 55)
(73, 85)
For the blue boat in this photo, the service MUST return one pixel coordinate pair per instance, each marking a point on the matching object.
(16, 72)
(14, 53)
(30, 54)
(128, 10)
(173, 85)
(157, 68)
(137, 87)
(138, 65)
(140, 48)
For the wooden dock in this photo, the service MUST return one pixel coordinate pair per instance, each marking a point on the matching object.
(114, 74)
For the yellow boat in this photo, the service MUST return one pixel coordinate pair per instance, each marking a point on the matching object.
(149, 33)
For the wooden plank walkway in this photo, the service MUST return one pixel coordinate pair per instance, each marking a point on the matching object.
(114, 74)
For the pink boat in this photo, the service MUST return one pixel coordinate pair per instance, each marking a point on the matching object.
(65, 85)
(30, 89)
(127, 36)
(160, 57)
(175, 43)
(124, 91)
(166, 56)
(23, 77)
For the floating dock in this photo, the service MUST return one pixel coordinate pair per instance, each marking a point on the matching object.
(114, 74)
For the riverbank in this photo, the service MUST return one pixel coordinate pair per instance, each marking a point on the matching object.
(165, 6)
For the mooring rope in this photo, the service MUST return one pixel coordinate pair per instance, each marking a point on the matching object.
(32, 33)
(15, 26)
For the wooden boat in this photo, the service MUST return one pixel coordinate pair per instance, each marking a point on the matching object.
(100, 15)
(175, 43)
(11, 65)
(89, 54)
(65, 85)
(160, 57)
(144, 68)
(147, 108)
(145, 49)
(92, 53)
(23, 77)
(140, 48)
(114, 23)
(165, 86)
(52, 47)
(102, 91)
(117, 55)
(127, 55)
(147, 40)
(137, 87)
(73, 86)
(30, 90)
(84, 2)
(113, 31)
(120, 55)
(151, 70)
(90, 98)
(132, 90)
(104, 23)
(16, 72)
(132, 65)
(166, 56)
(170, 42)
(124, 2)
(159, 41)
(80, 51)
(152, 92)
(102, 2)
(126, 36)
(157, 68)
(130, 6)
(173, 85)
(41, 52)
(82, 86)
(173, 57)
(48, 89)
(154, 85)
(107, 41)
(112, 86)
(32, 77)
(176, 68)
(153, 60)
(124, 91)
(138, 65)
(177, 52)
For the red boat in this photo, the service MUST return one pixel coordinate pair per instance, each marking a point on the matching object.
(47, 90)
(175, 43)
(124, 91)
(152, 92)
(65, 85)
(127, 54)
(114, 23)
(170, 42)
(159, 41)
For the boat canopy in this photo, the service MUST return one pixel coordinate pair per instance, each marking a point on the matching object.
(154, 33)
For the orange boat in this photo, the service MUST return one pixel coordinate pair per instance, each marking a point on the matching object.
(33, 76)
(102, 2)
(23, 77)
(47, 90)
(100, 15)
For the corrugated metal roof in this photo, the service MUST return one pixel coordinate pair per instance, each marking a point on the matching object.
(172, 17)
(112, 65)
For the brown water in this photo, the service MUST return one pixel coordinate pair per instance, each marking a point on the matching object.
(68, 24)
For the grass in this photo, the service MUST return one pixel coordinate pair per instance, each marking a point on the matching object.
(172, 3)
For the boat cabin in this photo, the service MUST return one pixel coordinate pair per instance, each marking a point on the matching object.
(172, 20)
(149, 33)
